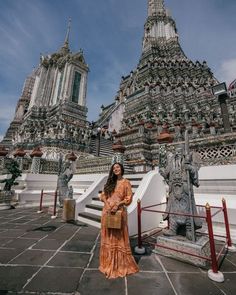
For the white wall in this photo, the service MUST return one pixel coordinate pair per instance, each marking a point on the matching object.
(217, 182)
(152, 190)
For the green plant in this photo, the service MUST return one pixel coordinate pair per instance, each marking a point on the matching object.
(13, 169)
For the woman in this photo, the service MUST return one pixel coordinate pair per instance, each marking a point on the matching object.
(116, 259)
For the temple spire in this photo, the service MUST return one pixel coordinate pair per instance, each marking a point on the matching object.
(156, 7)
(68, 33)
(65, 47)
(160, 33)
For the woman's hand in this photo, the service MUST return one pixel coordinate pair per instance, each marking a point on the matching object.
(114, 208)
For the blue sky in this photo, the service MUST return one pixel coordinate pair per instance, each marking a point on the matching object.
(110, 33)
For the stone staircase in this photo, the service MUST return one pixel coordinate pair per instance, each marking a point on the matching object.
(105, 147)
(93, 210)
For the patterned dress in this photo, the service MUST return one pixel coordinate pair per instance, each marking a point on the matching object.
(116, 259)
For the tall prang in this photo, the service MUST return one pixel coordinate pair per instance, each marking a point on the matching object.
(21, 109)
(164, 95)
(54, 113)
(160, 35)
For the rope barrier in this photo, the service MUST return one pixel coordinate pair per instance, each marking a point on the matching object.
(214, 272)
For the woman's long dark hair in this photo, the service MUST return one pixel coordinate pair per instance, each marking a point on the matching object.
(110, 185)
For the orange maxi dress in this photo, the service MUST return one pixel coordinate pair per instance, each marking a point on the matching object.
(116, 259)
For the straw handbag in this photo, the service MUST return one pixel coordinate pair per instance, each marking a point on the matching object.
(113, 220)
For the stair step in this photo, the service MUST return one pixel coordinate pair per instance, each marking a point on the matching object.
(95, 207)
(134, 185)
(89, 221)
(134, 179)
(90, 216)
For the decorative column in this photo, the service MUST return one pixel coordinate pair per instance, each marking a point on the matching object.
(224, 111)
(221, 91)
(19, 155)
(119, 150)
(36, 155)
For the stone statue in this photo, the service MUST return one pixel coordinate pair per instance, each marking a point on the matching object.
(181, 174)
(65, 175)
(70, 192)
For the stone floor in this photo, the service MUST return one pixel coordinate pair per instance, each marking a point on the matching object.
(39, 255)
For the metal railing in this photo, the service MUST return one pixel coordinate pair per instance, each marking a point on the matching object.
(214, 256)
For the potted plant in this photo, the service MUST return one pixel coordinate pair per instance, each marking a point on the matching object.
(7, 193)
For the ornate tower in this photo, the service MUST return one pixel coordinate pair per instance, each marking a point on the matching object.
(21, 109)
(61, 76)
(55, 116)
(160, 34)
(165, 94)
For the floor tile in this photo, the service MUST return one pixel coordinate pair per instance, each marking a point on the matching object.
(55, 280)
(66, 259)
(78, 246)
(173, 265)
(33, 257)
(14, 278)
(149, 283)
(48, 244)
(192, 284)
(94, 282)
(8, 254)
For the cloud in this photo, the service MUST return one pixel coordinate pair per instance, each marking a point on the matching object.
(227, 70)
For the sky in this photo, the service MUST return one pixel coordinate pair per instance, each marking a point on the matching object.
(110, 33)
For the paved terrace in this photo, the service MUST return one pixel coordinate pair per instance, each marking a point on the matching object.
(39, 255)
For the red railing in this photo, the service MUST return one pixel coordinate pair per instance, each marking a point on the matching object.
(42, 195)
(214, 257)
(55, 194)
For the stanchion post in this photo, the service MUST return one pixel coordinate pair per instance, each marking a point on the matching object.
(139, 249)
(213, 273)
(55, 206)
(168, 219)
(230, 246)
(229, 242)
(139, 224)
(41, 203)
(211, 238)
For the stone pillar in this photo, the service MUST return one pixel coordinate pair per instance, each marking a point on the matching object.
(36, 161)
(224, 112)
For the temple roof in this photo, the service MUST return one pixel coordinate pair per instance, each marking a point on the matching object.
(64, 54)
